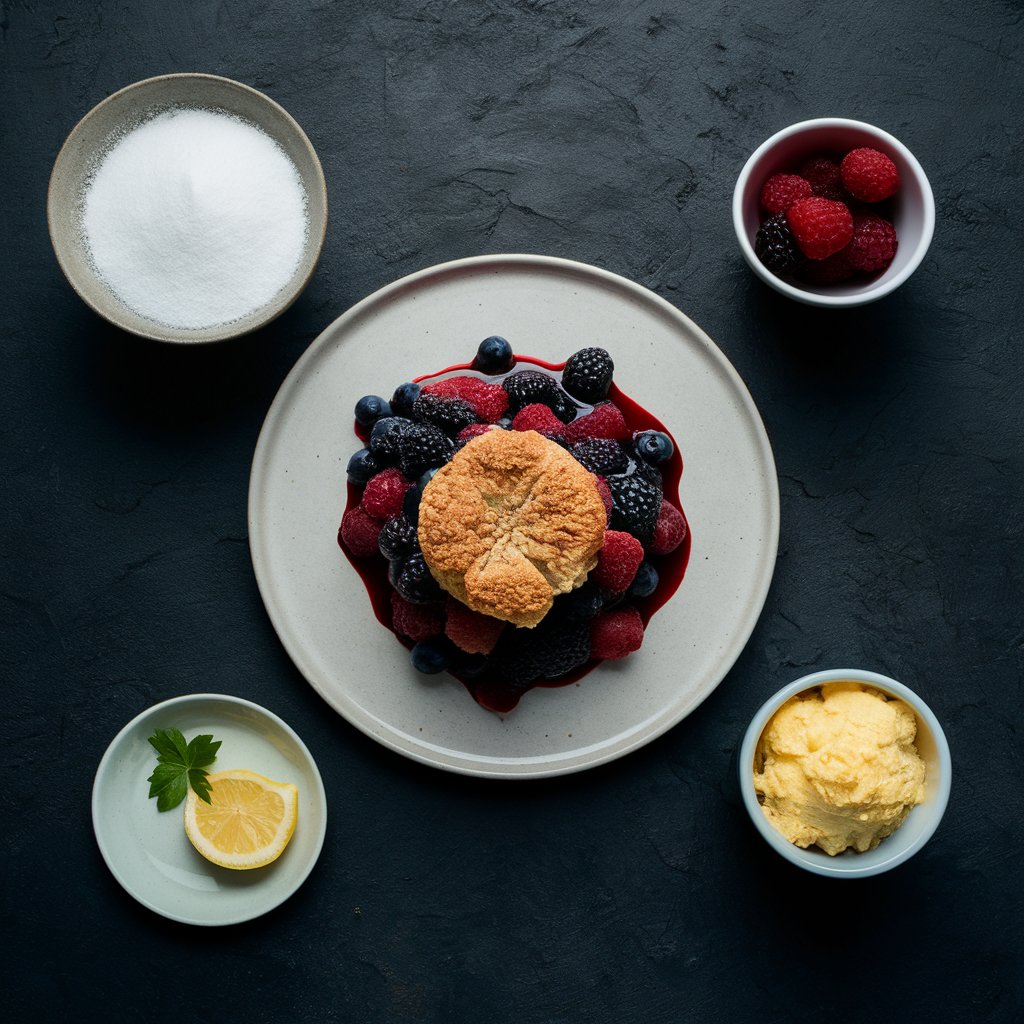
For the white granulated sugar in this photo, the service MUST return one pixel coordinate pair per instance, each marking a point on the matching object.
(195, 218)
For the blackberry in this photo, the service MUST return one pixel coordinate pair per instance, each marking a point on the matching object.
(579, 605)
(600, 455)
(386, 437)
(776, 247)
(588, 374)
(552, 649)
(647, 472)
(422, 446)
(636, 502)
(412, 579)
(398, 538)
(449, 414)
(529, 386)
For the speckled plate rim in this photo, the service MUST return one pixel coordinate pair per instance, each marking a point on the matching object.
(270, 891)
(378, 727)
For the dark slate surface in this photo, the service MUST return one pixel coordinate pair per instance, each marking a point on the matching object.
(609, 133)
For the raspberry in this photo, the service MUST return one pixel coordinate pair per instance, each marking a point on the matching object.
(606, 495)
(528, 387)
(600, 455)
(488, 401)
(469, 630)
(605, 421)
(618, 561)
(669, 530)
(416, 621)
(616, 633)
(449, 414)
(359, 533)
(538, 417)
(468, 433)
(873, 245)
(820, 226)
(869, 175)
(781, 191)
(385, 493)
(587, 374)
(636, 503)
(822, 172)
(776, 247)
(422, 446)
(834, 269)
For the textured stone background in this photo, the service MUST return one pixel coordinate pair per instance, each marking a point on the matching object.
(609, 133)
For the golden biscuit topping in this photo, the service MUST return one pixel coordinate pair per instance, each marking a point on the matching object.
(511, 522)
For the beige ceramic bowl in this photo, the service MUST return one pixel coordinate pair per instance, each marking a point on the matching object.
(93, 134)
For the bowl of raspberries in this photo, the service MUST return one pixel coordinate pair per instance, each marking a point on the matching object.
(833, 212)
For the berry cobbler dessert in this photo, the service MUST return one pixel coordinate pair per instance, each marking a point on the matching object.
(515, 522)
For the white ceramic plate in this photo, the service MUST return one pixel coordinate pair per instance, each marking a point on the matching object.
(546, 308)
(147, 850)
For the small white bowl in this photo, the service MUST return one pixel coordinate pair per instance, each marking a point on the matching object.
(913, 207)
(920, 824)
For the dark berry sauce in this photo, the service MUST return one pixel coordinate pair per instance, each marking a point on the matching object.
(493, 693)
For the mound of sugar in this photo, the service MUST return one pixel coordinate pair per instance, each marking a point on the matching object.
(195, 218)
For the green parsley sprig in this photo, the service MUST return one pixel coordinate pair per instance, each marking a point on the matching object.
(180, 765)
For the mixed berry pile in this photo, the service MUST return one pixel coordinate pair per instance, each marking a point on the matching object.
(828, 222)
(408, 437)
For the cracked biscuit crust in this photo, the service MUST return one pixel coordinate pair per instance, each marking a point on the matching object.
(511, 522)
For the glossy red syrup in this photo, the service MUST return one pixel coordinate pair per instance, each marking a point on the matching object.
(495, 694)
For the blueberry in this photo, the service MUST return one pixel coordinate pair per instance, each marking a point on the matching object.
(411, 502)
(468, 666)
(403, 398)
(494, 355)
(371, 408)
(645, 582)
(411, 505)
(653, 446)
(425, 479)
(362, 466)
(429, 658)
(505, 423)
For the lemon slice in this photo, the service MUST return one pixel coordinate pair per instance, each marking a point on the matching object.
(248, 821)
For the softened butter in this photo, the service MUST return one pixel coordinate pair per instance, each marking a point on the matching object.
(837, 767)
